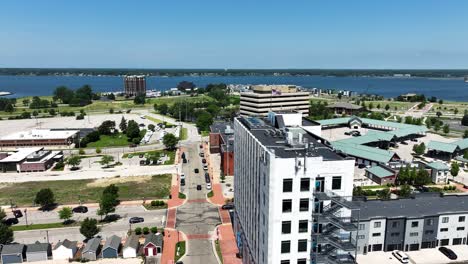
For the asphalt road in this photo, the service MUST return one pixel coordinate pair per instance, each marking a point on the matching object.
(197, 218)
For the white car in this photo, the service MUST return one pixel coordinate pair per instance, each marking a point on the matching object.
(142, 117)
(182, 176)
(401, 256)
(208, 186)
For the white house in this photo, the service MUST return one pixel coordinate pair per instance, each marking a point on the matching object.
(130, 247)
(65, 249)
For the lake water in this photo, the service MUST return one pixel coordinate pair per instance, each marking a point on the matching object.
(447, 89)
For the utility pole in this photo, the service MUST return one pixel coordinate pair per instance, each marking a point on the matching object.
(26, 216)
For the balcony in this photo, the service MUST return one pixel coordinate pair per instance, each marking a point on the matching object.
(335, 242)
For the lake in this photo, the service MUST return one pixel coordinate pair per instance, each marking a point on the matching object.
(447, 89)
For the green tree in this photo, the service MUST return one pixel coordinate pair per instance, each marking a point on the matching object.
(111, 110)
(204, 121)
(133, 131)
(65, 214)
(170, 141)
(464, 120)
(163, 108)
(73, 161)
(454, 169)
(26, 102)
(405, 190)
(123, 125)
(139, 99)
(107, 127)
(387, 107)
(439, 114)
(106, 160)
(419, 149)
(64, 94)
(371, 106)
(52, 112)
(437, 127)
(2, 214)
(109, 200)
(384, 194)
(9, 108)
(35, 113)
(446, 129)
(151, 127)
(89, 227)
(465, 134)
(6, 234)
(45, 197)
(422, 177)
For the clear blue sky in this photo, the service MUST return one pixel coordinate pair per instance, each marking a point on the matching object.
(234, 34)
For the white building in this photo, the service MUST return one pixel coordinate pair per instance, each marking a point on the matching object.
(285, 178)
(130, 247)
(64, 250)
(266, 98)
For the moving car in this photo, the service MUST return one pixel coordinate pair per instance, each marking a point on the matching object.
(228, 206)
(17, 213)
(448, 253)
(401, 256)
(198, 187)
(205, 167)
(404, 143)
(11, 221)
(80, 209)
(203, 160)
(182, 182)
(208, 186)
(196, 170)
(136, 219)
(182, 176)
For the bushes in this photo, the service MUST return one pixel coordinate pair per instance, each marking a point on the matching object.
(146, 230)
(450, 188)
(138, 230)
(157, 203)
(154, 230)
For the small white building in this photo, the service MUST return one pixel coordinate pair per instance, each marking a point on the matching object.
(65, 250)
(130, 247)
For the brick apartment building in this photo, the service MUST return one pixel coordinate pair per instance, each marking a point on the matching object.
(222, 141)
(135, 85)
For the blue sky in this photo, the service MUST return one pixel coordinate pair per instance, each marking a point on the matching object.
(234, 34)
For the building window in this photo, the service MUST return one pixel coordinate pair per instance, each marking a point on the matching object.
(302, 245)
(362, 226)
(377, 224)
(336, 183)
(375, 234)
(305, 184)
(445, 219)
(285, 247)
(461, 228)
(361, 237)
(287, 206)
(287, 185)
(286, 227)
(394, 234)
(429, 222)
(414, 224)
(302, 261)
(444, 242)
(413, 234)
(303, 226)
(429, 232)
(443, 229)
(395, 224)
(457, 241)
(304, 205)
(461, 219)
(285, 262)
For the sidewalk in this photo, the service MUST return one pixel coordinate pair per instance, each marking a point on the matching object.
(171, 237)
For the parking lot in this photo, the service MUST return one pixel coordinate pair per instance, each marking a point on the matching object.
(423, 256)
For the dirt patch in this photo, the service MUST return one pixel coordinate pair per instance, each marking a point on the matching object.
(116, 180)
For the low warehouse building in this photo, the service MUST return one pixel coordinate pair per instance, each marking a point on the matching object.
(65, 250)
(38, 252)
(14, 253)
(40, 137)
(131, 246)
(111, 248)
(92, 249)
(29, 160)
(381, 175)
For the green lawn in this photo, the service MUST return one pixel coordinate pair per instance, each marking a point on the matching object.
(118, 140)
(160, 152)
(68, 192)
(42, 226)
(183, 133)
(181, 246)
(218, 250)
(205, 133)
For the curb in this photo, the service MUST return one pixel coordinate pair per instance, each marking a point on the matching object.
(213, 243)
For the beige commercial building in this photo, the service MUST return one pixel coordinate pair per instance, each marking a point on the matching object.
(277, 98)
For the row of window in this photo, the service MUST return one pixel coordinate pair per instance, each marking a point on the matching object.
(286, 227)
(412, 234)
(429, 222)
(305, 184)
(299, 261)
(303, 205)
(286, 246)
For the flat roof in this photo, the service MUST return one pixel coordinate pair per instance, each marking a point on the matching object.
(442, 146)
(380, 172)
(20, 154)
(40, 134)
(373, 122)
(364, 152)
(427, 204)
(438, 165)
(462, 143)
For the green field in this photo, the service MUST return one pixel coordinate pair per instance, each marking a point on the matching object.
(42, 226)
(183, 133)
(118, 140)
(181, 248)
(169, 153)
(69, 192)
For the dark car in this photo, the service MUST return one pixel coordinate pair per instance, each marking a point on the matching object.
(141, 156)
(198, 187)
(11, 221)
(448, 253)
(202, 154)
(207, 179)
(182, 182)
(203, 160)
(142, 162)
(228, 206)
(179, 262)
(404, 143)
(80, 209)
(361, 166)
(135, 220)
(196, 170)
(184, 160)
(201, 145)
(465, 186)
(347, 133)
(17, 213)
(414, 140)
(132, 146)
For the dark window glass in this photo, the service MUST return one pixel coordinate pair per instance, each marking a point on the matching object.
(414, 224)
(302, 245)
(461, 219)
(305, 184)
(301, 261)
(304, 205)
(285, 246)
(286, 227)
(287, 185)
(303, 226)
(285, 261)
(287, 206)
(336, 183)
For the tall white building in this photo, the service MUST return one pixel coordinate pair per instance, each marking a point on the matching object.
(265, 98)
(292, 193)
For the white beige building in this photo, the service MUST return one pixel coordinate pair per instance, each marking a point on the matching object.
(264, 98)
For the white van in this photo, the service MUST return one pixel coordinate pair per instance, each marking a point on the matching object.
(182, 176)
(208, 186)
(401, 256)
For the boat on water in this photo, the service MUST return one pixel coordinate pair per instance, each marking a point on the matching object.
(5, 93)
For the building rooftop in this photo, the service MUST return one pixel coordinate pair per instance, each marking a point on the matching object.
(155, 239)
(438, 165)
(92, 245)
(426, 204)
(442, 146)
(113, 242)
(462, 143)
(226, 130)
(40, 134)
(21, 154)
(37, 247)
(132, 242)
(380, 172)
(365, 152)
(12, 249)
(287, 142)
(66, 243)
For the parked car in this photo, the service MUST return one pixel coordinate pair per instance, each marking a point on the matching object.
(136, 219)
(347, 133)
(132, 146)
(203, 160)
(182, 182)
(142, 162)
(465, 186)
(401, 256)
(228, 206)
(11, 221)
(205, 167)
(414, 139)
(182, 176)
(17, 213)
(208, 186)
(448, 253)
(198, 187)
(184, 160)
(196, 170)
(207, 179)
(201, 145)
(80, 209)
(202, 154)
(141, 156)
(141, 125)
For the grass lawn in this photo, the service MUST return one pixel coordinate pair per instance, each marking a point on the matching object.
(205, 133)
(183, 133)
(42, 226)
(169, 153)
(148, 206)
(373, 187)
(218, 251)
(180, 246)
(118, 140)
(68, 192)
(182, 196)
